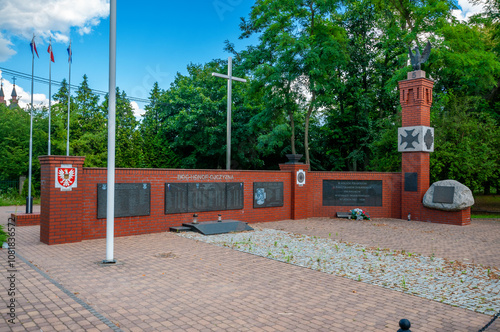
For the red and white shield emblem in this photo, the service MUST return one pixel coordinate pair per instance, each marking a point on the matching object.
(66, 177)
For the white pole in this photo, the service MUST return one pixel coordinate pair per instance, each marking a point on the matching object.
(50, 91)
(69, 97)
(229, 93)
(29, 207)
(110, 207)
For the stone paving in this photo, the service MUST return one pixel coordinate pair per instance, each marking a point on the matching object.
(170, 283)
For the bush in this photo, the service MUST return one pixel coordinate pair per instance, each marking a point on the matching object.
(3, 235)
(24, 192)
(11, 197)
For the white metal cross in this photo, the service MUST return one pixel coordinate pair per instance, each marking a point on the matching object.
(229, 77)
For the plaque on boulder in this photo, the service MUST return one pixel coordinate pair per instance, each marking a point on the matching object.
(443, 194)
(352, 193)
(267, 194)
(448, 195)
(203, 196)
(131, 199)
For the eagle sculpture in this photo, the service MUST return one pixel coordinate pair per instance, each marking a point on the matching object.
(417, 59)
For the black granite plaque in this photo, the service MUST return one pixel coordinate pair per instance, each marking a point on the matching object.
(207, 196)
(411, 181)
(203, 196)
(267, 194)
(352, 193)
(176, 198)
(234, 195)
(131, 199)
(443, 194)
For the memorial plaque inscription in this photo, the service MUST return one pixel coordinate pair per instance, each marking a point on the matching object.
(352, 193)
(206, 196)
(131, 199)
(176, 197)
(267, 194)
(234, 196)
(203, 196)
(443, 194)
(411, 181)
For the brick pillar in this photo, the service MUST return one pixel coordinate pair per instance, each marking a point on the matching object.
(415, 141)
(61, 210)
(300, 192)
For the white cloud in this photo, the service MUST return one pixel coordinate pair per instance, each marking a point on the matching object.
(5, 51)
(47, 18)
(138, 112)
(468, 9)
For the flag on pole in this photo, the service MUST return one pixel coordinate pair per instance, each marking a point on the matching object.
(33, 47)
(70, 53)
(51, 53)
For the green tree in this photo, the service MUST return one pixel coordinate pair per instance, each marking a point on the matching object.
(157, 152)
(59, 118)
(299, 53)
(14, 143)
(193, 119)
(467, 145)
(128, 151)
(88, 127)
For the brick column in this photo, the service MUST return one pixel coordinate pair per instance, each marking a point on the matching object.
(415, 95)
(60, 211)
(301, 205)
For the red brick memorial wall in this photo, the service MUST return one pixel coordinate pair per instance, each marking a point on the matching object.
(73, 198)
(77, 214)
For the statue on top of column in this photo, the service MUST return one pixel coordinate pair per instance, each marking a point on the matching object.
(417, 59)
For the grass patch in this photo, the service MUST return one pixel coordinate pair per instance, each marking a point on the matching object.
(485, 215)
(486, 204)
(3, 235)
(11, 197)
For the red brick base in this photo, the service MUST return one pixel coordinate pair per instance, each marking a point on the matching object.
(26, 219)
(459, 218)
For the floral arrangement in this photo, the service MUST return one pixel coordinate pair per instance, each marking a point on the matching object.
(358, 214)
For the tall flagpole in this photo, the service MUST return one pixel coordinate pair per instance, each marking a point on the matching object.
(69, 94)
(29, 200)
(50, 87)
(110, 206)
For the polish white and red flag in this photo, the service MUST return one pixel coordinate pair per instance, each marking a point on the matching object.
(51, 53)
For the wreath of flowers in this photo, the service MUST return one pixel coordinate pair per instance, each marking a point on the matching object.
(358, 214)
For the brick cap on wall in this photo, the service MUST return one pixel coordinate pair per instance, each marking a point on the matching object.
(61, 159)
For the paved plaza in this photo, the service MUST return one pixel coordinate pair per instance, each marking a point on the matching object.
(168, 283)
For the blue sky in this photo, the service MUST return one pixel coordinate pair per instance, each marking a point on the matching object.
(155, 40)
